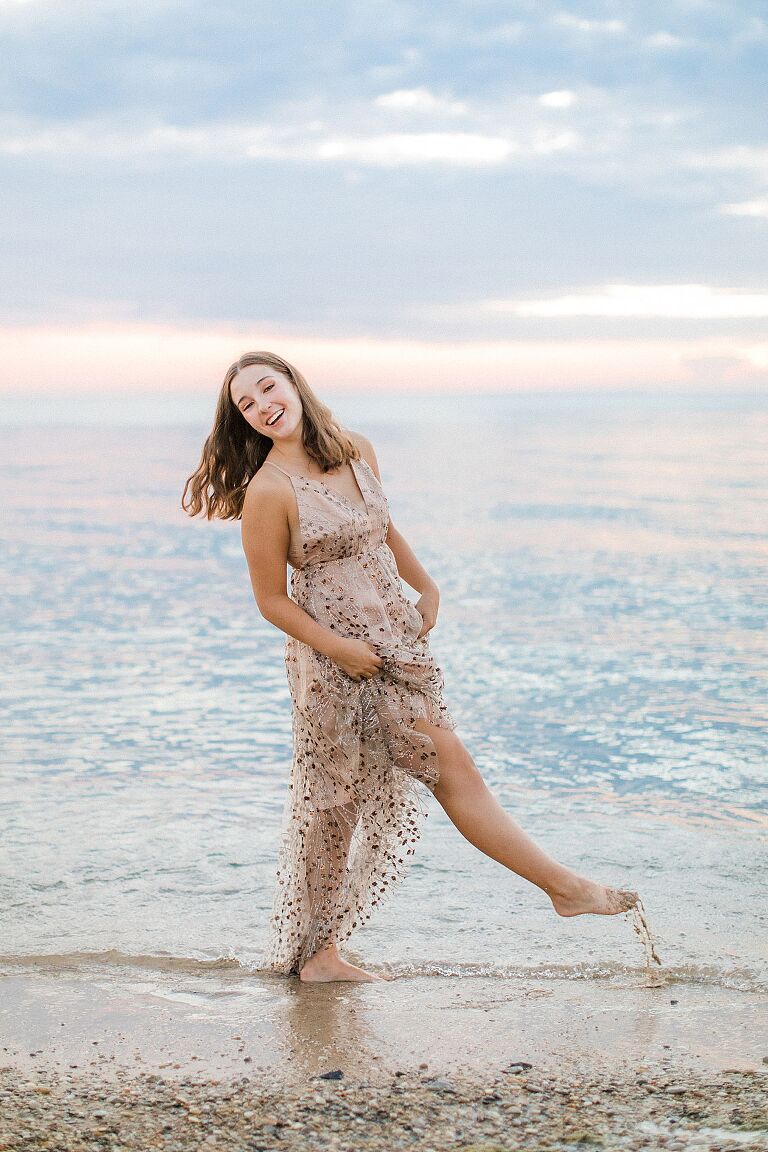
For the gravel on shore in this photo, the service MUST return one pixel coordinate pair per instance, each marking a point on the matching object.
(518, 1108)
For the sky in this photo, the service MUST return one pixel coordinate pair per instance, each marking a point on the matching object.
(455, 195)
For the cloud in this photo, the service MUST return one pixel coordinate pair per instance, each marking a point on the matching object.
(393, 149)
(647, 301)
(755, 208)
(419, 100)
(546, 142)
(758, 354)
(136, 356)
(309, 142)
(580, 24)
(563, 98)
(667, 41)
(492, 37)
(113, 140)
(747, 157)
(753, 31)
(376, 161)
(305, 142)
(714, 371)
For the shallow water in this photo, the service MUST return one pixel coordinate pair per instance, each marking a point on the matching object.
(601, 561)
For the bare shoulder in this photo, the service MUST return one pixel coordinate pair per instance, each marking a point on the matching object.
(267, 499)
(266, 531)
(366, 450)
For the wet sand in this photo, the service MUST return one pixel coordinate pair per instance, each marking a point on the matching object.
(93, 1057)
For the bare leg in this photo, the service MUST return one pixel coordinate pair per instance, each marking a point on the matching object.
(477, 814)
(330, 864)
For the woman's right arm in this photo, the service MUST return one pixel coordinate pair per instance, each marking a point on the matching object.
(266, 536)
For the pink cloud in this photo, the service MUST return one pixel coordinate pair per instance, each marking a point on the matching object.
(160, 357)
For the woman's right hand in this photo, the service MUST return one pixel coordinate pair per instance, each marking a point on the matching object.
(358, 659)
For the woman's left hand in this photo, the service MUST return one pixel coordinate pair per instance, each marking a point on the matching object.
(427, 606)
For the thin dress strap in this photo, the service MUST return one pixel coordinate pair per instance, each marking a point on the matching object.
(351, 463)
(278, 468)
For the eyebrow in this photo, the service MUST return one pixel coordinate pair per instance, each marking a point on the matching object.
(256, 386)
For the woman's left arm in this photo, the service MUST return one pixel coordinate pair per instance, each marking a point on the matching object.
(408, 566)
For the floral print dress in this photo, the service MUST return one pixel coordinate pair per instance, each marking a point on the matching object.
(354, 810)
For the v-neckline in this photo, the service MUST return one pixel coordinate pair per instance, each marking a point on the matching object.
(364, 511)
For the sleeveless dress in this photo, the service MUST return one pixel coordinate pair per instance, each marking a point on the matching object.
(354, 808)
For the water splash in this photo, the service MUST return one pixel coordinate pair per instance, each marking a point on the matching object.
(642, 929)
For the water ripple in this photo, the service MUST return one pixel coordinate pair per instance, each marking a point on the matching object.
(602, 634)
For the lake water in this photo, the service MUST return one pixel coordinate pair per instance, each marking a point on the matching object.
(601, 560)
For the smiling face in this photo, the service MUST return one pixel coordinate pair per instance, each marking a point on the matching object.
(268, 400)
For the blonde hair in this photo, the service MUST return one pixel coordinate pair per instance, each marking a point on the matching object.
(234, 451)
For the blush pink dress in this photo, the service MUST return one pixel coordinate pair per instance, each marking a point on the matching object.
(354, 809)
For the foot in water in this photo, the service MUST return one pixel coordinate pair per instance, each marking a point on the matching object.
(582, 896)
(326, 966)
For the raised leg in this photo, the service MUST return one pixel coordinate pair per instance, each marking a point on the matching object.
(477, 814)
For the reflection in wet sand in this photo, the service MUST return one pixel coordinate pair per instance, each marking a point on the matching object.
(322, 1028)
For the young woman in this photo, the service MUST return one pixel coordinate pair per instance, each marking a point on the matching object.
(369, 720)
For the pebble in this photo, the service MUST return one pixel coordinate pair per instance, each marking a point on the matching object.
(438, 1084)
(82, 1111)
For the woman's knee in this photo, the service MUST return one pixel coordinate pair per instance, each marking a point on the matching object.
(456, 766)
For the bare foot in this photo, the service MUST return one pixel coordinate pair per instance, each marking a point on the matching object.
(585, 896)
(326, 966)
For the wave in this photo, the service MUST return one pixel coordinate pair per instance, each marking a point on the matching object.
(113, 958)
(736, 979)
(233, 967)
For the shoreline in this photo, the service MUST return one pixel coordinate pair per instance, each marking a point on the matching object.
(219, 1021)
(187, 1061)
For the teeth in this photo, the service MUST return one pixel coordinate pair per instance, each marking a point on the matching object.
(276, 416)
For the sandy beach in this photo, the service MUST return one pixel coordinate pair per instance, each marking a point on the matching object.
(212, 1056)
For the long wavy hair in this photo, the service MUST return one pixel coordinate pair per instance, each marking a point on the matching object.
(234, 451)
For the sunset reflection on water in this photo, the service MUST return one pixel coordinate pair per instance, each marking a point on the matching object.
(602, 634)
